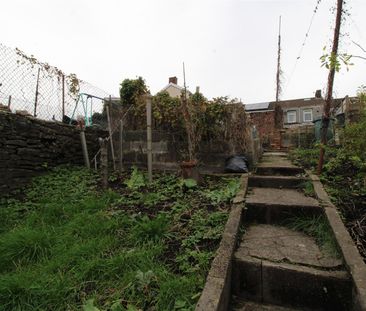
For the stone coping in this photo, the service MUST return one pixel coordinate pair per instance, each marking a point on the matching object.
(352, 258)
(217, 291)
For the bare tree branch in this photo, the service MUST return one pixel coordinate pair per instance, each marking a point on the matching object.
(359, 45)
(356, 56)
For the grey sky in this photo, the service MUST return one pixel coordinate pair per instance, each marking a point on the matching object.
(229, 46)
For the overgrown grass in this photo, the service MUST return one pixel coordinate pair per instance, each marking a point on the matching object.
(344, 177)
(317, 227)
(137, 247)
(308, 188)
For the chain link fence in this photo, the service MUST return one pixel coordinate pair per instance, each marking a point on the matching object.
(31, 87)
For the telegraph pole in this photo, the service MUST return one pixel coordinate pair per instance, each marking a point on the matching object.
(328, 97)
(278, 75)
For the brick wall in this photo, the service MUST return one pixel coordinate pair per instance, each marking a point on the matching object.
(267, 128)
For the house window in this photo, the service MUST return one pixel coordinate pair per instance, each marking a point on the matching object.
(307, 115)
(291, 116)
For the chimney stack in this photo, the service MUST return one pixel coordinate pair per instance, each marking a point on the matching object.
(318, 94)
(173, 80)
(197, 89)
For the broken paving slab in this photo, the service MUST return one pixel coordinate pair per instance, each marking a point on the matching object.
(280, 244)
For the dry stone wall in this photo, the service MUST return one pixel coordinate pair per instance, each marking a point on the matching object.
(28, 146)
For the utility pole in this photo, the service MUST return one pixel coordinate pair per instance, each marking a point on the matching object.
(328, 97)
(278, 75)
(184, 80)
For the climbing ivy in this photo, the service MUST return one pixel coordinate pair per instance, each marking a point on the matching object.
(73, 82)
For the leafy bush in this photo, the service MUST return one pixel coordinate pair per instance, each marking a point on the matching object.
(132, 90)
(344, 175)
(308, 158)
(354, 138)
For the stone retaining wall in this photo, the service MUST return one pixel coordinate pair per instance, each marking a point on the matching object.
(28, 146)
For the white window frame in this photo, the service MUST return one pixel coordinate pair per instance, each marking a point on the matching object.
(293, 114)
(306, 112)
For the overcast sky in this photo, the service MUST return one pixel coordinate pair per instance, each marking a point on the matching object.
(229, 46)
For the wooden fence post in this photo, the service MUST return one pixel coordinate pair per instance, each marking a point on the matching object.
(121, 146)
(104, 162)
(110, 131)
(149, 137)
(85, 148)
(9, 102)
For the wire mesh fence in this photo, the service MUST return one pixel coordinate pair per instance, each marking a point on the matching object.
(29, 86)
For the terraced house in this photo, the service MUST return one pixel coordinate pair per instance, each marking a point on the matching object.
(279, 122)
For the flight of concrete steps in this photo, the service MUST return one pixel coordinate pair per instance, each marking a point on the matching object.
(274, 267)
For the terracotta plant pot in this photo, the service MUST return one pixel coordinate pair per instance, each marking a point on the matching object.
(190, 170)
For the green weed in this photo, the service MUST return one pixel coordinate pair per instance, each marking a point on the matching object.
(224, 194)
(137, 179)
(308, 188)
(69, 247)
(147, 229)
(317, 227)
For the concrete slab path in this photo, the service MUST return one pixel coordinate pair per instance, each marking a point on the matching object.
(274, 267)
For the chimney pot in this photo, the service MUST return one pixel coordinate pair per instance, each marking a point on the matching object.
(318, 94)
(173, 80)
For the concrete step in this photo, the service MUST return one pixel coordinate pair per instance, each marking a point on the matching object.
(263, 169)
(271, 205)
(275, 153)
(273, 163)
(243, 305)
(279, 266)
(277, 165)
(289, 182)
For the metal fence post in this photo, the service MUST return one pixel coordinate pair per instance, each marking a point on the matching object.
(36, 97)
(63, 97)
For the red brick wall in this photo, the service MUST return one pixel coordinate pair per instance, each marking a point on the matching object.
(268, 132)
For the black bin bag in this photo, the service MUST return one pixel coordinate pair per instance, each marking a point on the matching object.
(236, 164)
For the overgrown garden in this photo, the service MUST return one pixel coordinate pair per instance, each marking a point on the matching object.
(66, 245)
(344, 175)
